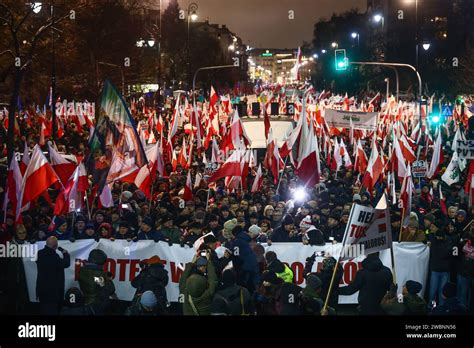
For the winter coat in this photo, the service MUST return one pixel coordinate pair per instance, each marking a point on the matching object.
(418, 236)
(280, 235)
(237, 300)
(337, 232)
(243, 258)
(153, 278)
(50, 281)
(312, 303)
(62, 236)
(441, 254)
(173, 234)
(372, 281)
(197, 290)
(93, 292)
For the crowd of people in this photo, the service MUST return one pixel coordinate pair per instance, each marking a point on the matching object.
(250, 281)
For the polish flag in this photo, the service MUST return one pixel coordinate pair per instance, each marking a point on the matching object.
(214, 98)
(257, 182)
(174, 161)
(13, 187)
(406, 149)
(61, 166)
(25, 159)
(231, 167)
(38, 177)
(398, 159)
(437, 158)
(151, 138)
(272, 159)
(345, 155)
(188, 191)
(105, 199)
(237, 132)
(308, 169)
(71, 197)
(374, 169)
(198, 180)
(290, 141)
(215, 158)
(183, 157)
(147, 174)
(174, 122)
(360, 162)
(160, 125)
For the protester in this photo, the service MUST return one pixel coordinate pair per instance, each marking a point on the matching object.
(146, 304)
(451, 304)
(50, 282)
(231, 299)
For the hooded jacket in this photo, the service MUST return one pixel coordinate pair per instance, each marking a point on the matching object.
(197, 290)
(372, 281)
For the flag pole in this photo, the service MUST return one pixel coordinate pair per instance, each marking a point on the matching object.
(281, 175)
(207, 200)
(87, 205)
(401, 224)
(337, 263)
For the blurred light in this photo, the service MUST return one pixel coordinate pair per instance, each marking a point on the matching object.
(323, 51)
(435, 119)
(311, 58)
(300, 194)
(334, 44)
(378, 18)
(426, 46)
(140, 43)
(194, 16)
(315, 56)
(341, 64)
(231, 47)
(354, 35)
(36, 7)
(151, 42)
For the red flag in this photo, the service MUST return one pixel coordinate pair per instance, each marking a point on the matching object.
(25, 159)
(360, 164)
(257, 182)
(309, 168)
(406, 193)
(71, 198)
(437, 158)
(374, 169)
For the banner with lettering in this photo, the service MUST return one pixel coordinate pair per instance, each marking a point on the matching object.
(411, 262)
(342, 119)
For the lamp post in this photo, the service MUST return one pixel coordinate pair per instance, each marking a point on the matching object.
(53, 76)
(192, 16)
(355, 35)
(379, 18)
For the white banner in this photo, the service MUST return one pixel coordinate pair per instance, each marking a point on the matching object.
(465, 149)
(411, 263)
(368, 230)
(342, 119)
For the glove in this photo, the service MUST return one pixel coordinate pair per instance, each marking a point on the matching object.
(181, 244)
(135, 239)
(97, 239)
(156, 240)
(312, 258)
(72, 239)
(393, 288)
(32, 241)
(170, 243)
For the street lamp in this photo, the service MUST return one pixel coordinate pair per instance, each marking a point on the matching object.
(151, 42)
(36, 7)
(379, 18)
(334, 44)
(231, 47)
(192, 16)
(355, 35)
(426, 46)
(323, 51)
(315, 56)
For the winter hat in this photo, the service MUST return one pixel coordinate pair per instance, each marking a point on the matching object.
(313, 281)
(449, 290)
(148, 299)
(89, 226)
(58, 222)
(271, 277)
(124, 224)
(74, 297)
(254, 231)
(228, 278)
(413, 224)
(209, 238)
(429, 217)
(288, 220)
(127, 195)
(315, 236)
(413, 216)
(306, 222)
(461, 212)
(413, 287)
(230, 224)
(97, 256)
(202, 261)
(148, 221)
(80, 218)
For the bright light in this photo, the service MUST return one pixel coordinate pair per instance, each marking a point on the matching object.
(140, 43)
(151, 42)
(194, 16)
(311, 58)
(378, 18)
(426, 46)
(235, 40)
(36, 7)
(334, 44)
(299, 194)
(231, 47)
(354, 35)
(435, 119)
(315, 56)
(237, 52)
(323, 51)
(340, 64)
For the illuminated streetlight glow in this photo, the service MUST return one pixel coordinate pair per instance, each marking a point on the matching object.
(231, 47)
(426, 46)
(354, 35)
(151, 42)
(334, 44)
(378, 18)
(323, 51)
(194, 16)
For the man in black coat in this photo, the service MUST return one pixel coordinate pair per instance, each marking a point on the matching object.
(50, 281)
(372, 282)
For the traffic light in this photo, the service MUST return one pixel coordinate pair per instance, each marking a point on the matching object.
(436, 117)
(341, 60)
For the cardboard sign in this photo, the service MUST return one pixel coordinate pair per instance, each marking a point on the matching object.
(465, 149)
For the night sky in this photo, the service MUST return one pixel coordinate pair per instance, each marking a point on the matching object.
(265, 23)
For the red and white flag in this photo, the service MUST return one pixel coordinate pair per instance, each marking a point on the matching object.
(308, 168)
(257, 182)
(406, 194)
(374, 169)
(38, 177)
(25, 159)
(437, 158)
(188, 188)
(61, 166)
(71, 198)
(360, 162)
(231, 167)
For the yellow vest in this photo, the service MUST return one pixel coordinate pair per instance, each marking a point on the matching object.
(286, 275)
